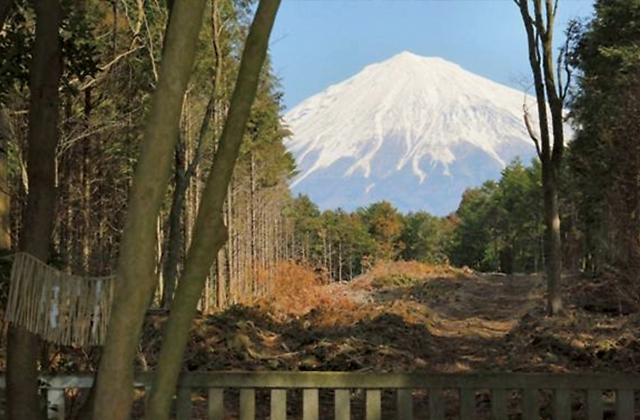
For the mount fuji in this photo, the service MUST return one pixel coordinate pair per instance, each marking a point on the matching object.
(412, 130)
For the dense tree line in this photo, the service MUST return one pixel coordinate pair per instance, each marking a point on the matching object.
(111, 54)
(344, 245)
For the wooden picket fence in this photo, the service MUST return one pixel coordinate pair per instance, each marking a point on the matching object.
(615, 393)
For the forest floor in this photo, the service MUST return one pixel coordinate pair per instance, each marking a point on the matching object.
(411, 317)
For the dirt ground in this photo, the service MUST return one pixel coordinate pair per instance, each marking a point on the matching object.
(399, 319)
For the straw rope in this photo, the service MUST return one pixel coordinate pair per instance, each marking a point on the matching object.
(61, 308)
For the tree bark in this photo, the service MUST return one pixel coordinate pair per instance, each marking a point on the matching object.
(174, 243)
(552, 241)
(136, 264)
(23, 402)
(209, 230)
(5, 199)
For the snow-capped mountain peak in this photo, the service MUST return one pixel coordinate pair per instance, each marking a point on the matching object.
(413, 130)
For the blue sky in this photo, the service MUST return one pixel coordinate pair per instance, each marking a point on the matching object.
(317, 43)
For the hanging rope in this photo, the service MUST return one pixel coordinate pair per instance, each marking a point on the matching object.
(61, 308)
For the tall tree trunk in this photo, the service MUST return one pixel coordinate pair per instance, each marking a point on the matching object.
(5, 198)
(209, 230)
(552, 241)
(339, 259)
(221, 278)
(230, 246)
(85, 185)
(183, 177)
(23, 347)
(539, 29)
(174, 243)
(136, 264)
(64, 190)
(253, 261)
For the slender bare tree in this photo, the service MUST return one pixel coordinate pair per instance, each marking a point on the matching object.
(550, 95)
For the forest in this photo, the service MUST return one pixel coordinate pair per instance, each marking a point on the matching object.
(111, 58)
(119, 157)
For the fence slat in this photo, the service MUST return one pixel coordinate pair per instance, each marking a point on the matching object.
(183, 404)
(624, 404)
(374, 409)
(310, 404)
(55, 404)
(562, 404)
(436, 405)
(278, 404)
(343, 404)
(467, 403)
(247, 404)
(216, 404)
(594, 404)
(405, 404)
(499, 404)
(530, 404)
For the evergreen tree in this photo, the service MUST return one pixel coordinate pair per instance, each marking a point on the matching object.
(605, 157)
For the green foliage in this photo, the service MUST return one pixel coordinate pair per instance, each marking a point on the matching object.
(498, 225)
(426, 238)
(79, 46)
(15, 48)
(385, 225)
(348, 244)
(603, 157)
(473, 243)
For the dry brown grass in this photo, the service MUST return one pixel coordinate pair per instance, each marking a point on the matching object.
(296, 290)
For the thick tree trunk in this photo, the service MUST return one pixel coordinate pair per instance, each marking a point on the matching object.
(552, 241)
(209, 230)
(23, 402)
(136, 265)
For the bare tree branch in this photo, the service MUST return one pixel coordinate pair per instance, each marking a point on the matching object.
(563, 64)
(532, 134)
(104, 69)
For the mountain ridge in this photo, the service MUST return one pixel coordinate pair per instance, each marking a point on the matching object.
(414, 130)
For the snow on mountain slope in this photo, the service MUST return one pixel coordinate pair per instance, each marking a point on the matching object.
(412, 130)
